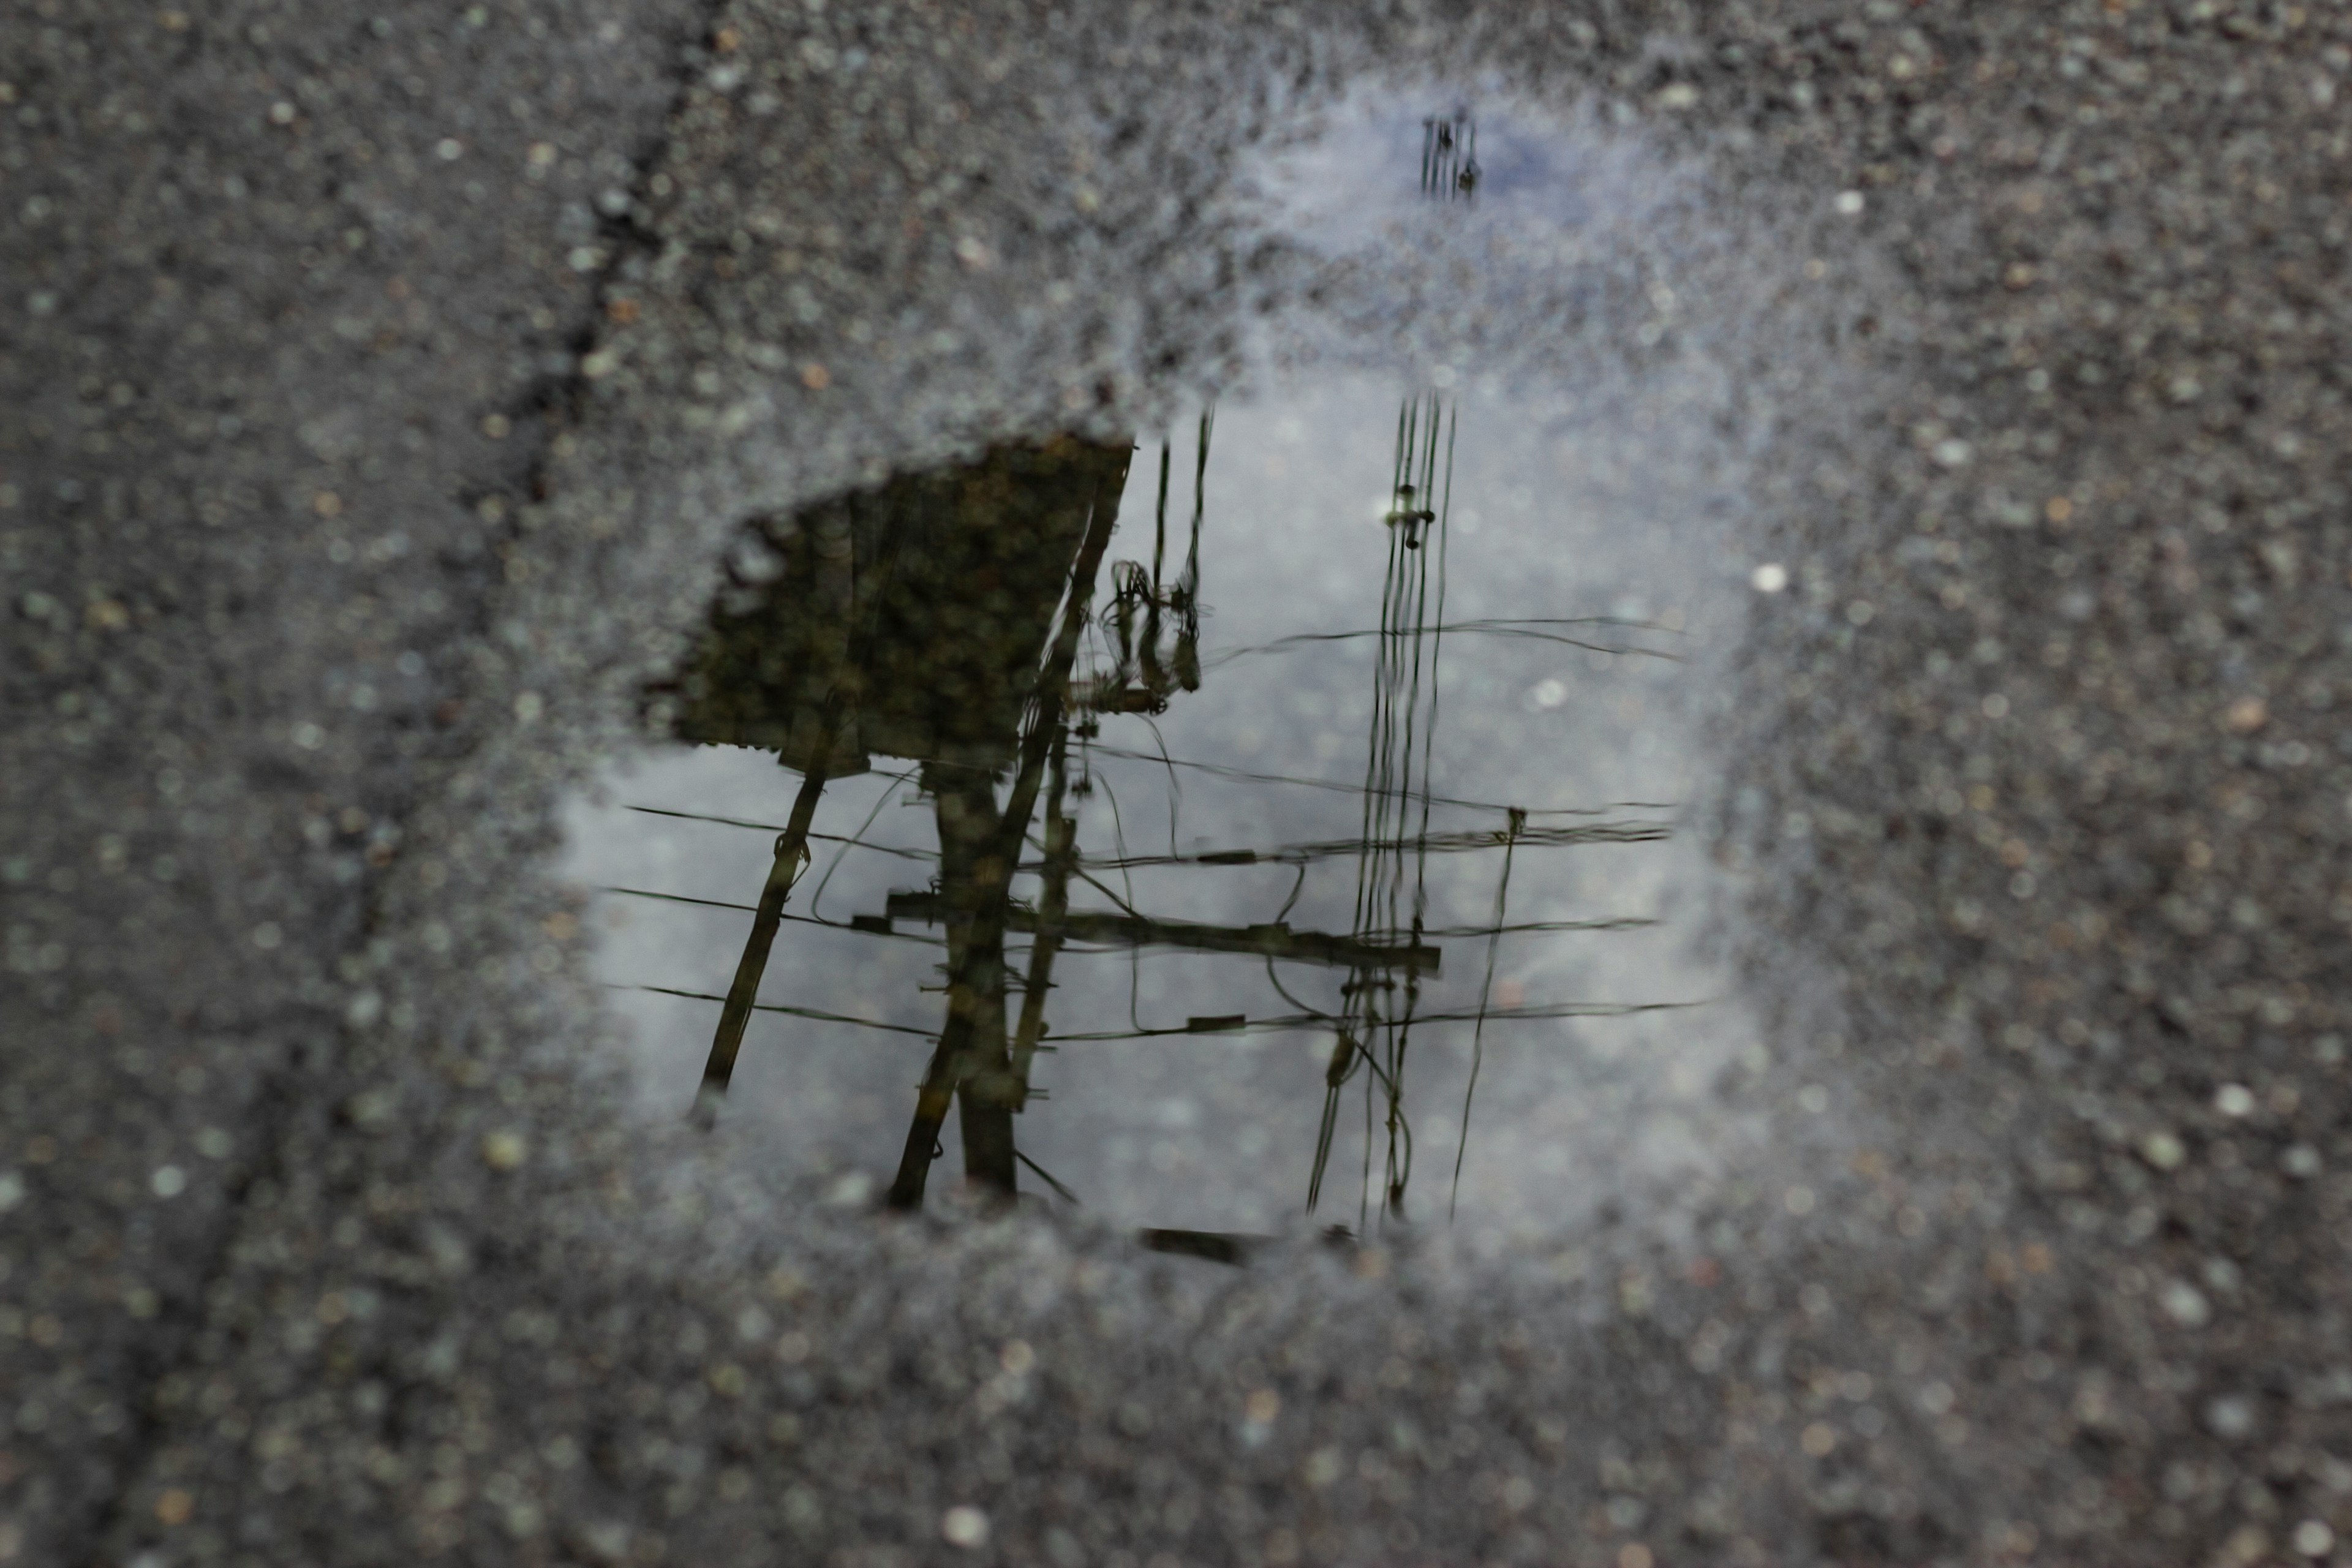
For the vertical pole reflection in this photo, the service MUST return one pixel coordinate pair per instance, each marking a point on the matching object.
(791, 855)
(964, 1062)
(1449, 157)
(1052, 912)
(1393, 854)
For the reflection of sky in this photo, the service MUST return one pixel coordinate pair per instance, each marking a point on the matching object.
(1357, 177)
(1550, 518)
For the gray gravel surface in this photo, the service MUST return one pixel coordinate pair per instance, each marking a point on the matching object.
(378, 393)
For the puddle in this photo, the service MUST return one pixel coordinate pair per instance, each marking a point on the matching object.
(1292, 818)
(1278, 822)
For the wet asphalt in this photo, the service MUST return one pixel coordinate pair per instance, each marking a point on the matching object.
(378, 393)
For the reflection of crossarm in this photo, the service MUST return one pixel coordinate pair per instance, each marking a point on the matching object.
(1278, 942)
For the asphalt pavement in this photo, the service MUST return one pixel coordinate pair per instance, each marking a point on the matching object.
(378, 393)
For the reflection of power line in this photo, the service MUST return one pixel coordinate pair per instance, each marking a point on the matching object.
(1506, 629)
(1219, 769)
(1335, 787)
(1226, 1024)
(1448, 843)
(862, 924)
(718, 821)
(880, 925)
(1451, 842)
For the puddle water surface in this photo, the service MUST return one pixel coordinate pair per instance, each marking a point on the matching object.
(1282, 820)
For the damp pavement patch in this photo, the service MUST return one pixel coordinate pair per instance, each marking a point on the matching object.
(332, 563)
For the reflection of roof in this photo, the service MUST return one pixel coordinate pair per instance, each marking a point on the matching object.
(932, 596)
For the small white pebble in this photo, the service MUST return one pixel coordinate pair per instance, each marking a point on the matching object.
(1768, 578)
(2232, 1416)
(168, 1182)
(2185, 1304)
(504, 1151)
(965, 1526)
(2301, 1162)
(2163, 1151)
(1850, 203)
(2233, 1099)
(2314, 1539)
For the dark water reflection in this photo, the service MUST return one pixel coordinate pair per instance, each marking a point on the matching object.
(1278, 819)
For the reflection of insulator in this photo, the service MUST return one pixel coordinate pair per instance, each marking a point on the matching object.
(1188, 656)
(1123, 627)
(1409, 518)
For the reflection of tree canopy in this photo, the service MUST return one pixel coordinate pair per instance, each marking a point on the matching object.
(926, 599)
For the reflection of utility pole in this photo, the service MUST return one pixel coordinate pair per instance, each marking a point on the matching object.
(1449, 157)
(792, 854)
(1376, 1031)
(1061, 861)
(966, 813)
(955, 1064)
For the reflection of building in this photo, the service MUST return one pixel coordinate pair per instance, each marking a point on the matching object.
(924, 602)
